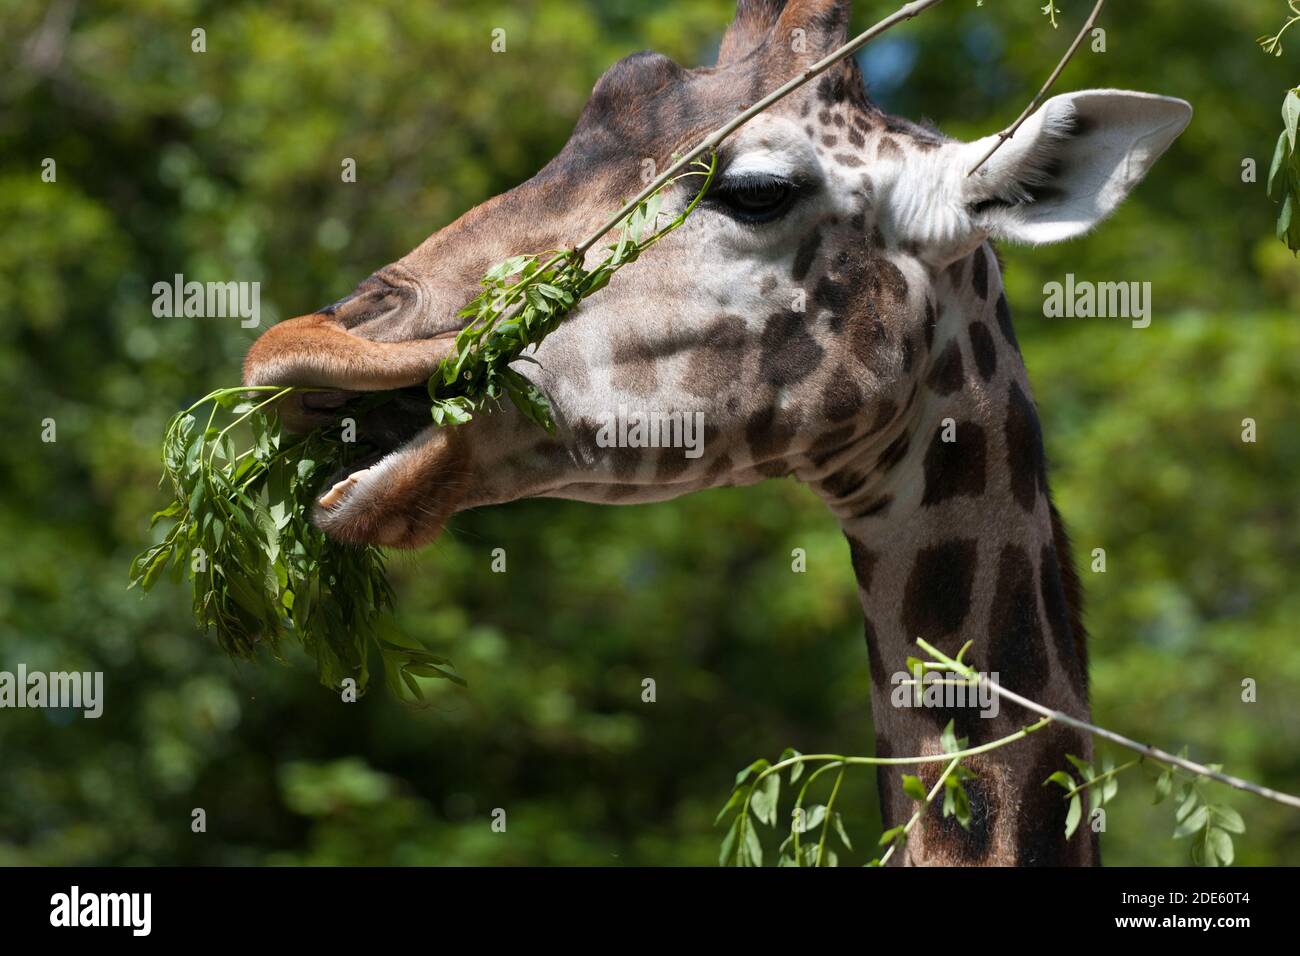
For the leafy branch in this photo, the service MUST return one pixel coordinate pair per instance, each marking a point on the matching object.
(955, 801)
(754, 796)
(1284, 172)
(1273, 44)
(1153, 753)
(260, 571)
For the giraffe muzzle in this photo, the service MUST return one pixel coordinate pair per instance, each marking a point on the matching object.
(317, 351)
(401, 494)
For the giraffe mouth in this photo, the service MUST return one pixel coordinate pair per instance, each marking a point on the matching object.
(382, 423)
(406, 479)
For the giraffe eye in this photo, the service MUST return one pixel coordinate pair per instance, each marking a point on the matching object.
(753, 198)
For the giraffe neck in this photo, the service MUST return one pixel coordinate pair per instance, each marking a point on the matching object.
(954, 539)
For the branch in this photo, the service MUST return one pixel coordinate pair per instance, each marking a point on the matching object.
(929, 799)
(830, 809)
(1155, 753)
(1010, 131)
(1011, 738)
(1146, 750)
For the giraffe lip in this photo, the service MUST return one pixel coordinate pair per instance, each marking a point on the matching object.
(343, 481)
(341, 486)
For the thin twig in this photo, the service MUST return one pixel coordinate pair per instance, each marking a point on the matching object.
(1155, 753)
(1011, 738)
(1010, 131)
(827, 820)
(1102, 777)
(929, 799)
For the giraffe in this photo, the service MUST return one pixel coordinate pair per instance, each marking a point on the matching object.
(834, 311)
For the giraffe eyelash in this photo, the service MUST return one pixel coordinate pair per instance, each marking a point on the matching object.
(740, 196)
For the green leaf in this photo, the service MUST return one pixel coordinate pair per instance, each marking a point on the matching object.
(1063, 779)
(914, 788)
(813, 817)
(763, 801)
(898, 833)
(437, 671)
(1193, 822)
(796, 770)
(1229, 819)
(734, 802)
(840, 831)
(949, 741)
(956, 803)
(752, 850)
(171, 511)
(729, 843)
(1280, 153)
(1164, 784)
(1073, 816)
(1291, 116)
(758, 766)
(1218, 845)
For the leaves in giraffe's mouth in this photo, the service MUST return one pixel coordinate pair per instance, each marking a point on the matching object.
(243, 490)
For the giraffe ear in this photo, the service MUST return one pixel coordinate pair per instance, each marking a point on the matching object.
(754, 18)
(810, 29)
(802, 29)
(1070, 164)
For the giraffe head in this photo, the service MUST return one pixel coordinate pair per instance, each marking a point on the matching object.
(783, 325)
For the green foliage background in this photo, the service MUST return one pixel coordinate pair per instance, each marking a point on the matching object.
(225, 165)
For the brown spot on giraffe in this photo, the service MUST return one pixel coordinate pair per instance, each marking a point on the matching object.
(984, 350)
(948, 373)
(1016, 649)
(955, 468)
(937, 597)
(980, 274)
(888, 149)
(789, 352)
(1024, 443)
(842, 398)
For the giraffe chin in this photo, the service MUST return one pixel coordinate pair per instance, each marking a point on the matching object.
(404, 499)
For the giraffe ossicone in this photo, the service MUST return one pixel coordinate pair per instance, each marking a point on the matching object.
(832, 304)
